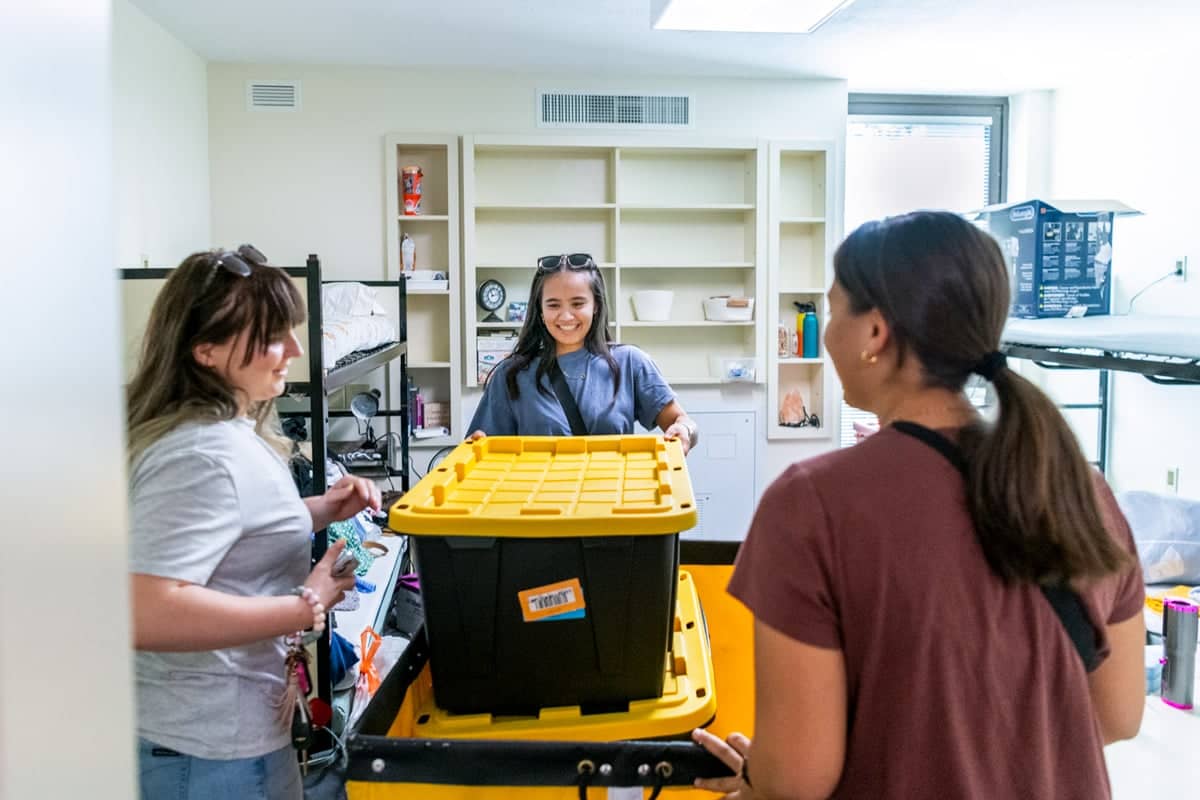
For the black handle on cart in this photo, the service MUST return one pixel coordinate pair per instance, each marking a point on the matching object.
(460, 762)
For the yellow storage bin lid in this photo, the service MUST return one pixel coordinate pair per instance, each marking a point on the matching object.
(552, 486)
(689, 699)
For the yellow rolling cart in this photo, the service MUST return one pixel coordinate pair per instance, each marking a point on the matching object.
(564, 650)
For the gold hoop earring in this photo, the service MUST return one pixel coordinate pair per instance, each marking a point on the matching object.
(868, 358)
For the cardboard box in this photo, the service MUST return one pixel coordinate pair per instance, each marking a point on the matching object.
(1059, 254)
(491, 350)
(488, 359)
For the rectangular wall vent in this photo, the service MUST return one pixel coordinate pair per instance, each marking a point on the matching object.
(273, 95)
(591, 110)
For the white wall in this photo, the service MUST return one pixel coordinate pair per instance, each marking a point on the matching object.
(1133, 139)
(1030, 144)
(313, 182)
(160, 142)
(66, 683)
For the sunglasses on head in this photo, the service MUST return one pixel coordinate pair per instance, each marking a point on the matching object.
(572, 261)
(240, 262)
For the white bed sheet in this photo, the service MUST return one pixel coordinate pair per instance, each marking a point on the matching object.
(1135, 333)
(342, 335)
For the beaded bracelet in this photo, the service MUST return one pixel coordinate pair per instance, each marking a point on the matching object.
(309, 596)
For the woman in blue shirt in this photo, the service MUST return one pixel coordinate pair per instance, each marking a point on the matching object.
(567, 329)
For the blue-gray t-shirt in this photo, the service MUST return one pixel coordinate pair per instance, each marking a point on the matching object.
(643, 394)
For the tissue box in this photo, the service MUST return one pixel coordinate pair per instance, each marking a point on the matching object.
(1059, 254)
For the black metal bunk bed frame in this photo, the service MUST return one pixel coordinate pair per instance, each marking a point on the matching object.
(1165, 370)
(320, 383)
(1162, 370)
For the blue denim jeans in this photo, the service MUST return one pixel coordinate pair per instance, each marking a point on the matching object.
(167, 775)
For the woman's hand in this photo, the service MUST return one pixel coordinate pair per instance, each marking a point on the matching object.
(327, 589)
(732, 753)
(682, 431)
(476, 436)
(676, 424)
(344, 499)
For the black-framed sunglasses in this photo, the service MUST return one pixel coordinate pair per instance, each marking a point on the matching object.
(238, 262)
(573, 261)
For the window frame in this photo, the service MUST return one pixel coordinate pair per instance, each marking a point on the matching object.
(942, 107)
(996, 109)
(930, 105)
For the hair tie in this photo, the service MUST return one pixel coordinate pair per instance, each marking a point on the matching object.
(990, 365)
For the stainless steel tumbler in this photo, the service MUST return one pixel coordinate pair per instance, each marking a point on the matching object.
(1179, 652)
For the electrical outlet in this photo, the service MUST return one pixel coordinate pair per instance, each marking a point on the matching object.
(1173, 479)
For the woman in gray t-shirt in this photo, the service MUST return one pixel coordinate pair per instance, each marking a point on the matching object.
(567, 330)
(220, 537)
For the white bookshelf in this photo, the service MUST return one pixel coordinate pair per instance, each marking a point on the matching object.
(682, 214)
(434, 315)
(803, 228)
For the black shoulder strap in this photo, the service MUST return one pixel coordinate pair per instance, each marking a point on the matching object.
(949, 450)
(1062, 599)
(567, 401)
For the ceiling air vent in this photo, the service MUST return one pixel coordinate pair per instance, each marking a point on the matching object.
(583, 109)
(273, 95)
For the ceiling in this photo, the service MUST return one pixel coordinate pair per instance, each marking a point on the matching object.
(983, 46)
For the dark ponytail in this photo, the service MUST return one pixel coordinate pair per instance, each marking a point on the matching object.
(942, 285)
(1032, 494)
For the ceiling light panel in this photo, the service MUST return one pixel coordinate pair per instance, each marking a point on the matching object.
(744, 16)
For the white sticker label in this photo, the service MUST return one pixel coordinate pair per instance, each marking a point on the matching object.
(552, 600)
(625, 793)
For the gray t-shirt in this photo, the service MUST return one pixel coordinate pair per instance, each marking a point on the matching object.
(642, 395)
(214, 505)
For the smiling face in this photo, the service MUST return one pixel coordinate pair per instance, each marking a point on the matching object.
(568, 309)
(263, 376)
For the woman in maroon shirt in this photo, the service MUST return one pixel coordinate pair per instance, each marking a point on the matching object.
(908, 592)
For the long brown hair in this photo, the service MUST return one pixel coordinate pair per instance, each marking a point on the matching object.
(203, 303)
(942, 285)
(535, 340)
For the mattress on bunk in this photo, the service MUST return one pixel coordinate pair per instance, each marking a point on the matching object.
(342, 335)
(1135, 333)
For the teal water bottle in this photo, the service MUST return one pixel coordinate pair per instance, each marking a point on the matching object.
(811, 342)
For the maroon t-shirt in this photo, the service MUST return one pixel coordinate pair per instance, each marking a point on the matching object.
(959, 686)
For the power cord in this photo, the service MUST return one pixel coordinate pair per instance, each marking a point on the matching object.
(332, 755)
(412, 463)
(1178, 270)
